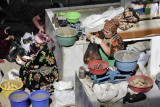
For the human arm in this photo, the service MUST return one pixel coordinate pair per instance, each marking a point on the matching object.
(36, 20)
(113, 45)
(106, 49)
(9, 36)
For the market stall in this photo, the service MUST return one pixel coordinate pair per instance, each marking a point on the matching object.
(70, 58)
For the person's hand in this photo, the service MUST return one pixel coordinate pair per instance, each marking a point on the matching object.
(97, 40)
(89, 36)
(26, 58)
(5, 30)
(41, 30)
(19, 61)
(11, 37)
(112, 68)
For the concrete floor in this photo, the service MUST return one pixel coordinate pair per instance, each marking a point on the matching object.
(7, 66)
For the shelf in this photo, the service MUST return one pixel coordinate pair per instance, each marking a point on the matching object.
(148, 17)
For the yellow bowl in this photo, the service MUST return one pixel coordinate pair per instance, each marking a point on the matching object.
(9, 86)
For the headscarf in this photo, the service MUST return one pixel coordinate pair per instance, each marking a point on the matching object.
(41, 38)
(111, 25)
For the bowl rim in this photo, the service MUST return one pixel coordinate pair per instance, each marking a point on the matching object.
(11, 89)
(98, 61)
(66, 36)
(125, 51)
(152, 82)
(19, 91)
(73, 12)
(41, 91)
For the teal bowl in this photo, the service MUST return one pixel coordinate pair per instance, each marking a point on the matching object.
(63, 39)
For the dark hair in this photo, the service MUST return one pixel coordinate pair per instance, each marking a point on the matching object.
(2, 15)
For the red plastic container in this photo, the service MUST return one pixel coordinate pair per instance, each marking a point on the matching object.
(140, 89)
(92, 64)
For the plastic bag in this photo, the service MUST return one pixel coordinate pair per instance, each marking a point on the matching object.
(15, 50)
(92, 53)
(64, 94)
(98, 19)
(61, 85)
(64, 98)
(13, 74)
(26, 41)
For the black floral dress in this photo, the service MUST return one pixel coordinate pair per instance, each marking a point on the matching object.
(31, 74)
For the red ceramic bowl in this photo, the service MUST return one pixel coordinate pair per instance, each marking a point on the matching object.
(140, 89)
(92, 64)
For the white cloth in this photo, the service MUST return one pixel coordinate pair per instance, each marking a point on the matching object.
(98, 19)
(144, 57)
(154, 9)
(64, 98)
(64, 94)
(139, 46)
(109, 92)
(122, 91)
(143, 60)
(98, 40)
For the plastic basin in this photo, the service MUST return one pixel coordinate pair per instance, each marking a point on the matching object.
(7, 91)
(73, 17)
(66, 40)
(126, 60)
(40, 98)
(19, 99)
(140, 89)
(92, 64)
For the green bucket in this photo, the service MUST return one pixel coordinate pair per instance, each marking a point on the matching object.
(73, 17)
(66, 36)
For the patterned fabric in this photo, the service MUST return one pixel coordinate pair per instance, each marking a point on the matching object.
(4, 44)
(124, 21)
(116, 43)
(35, 80)
(127, 19)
